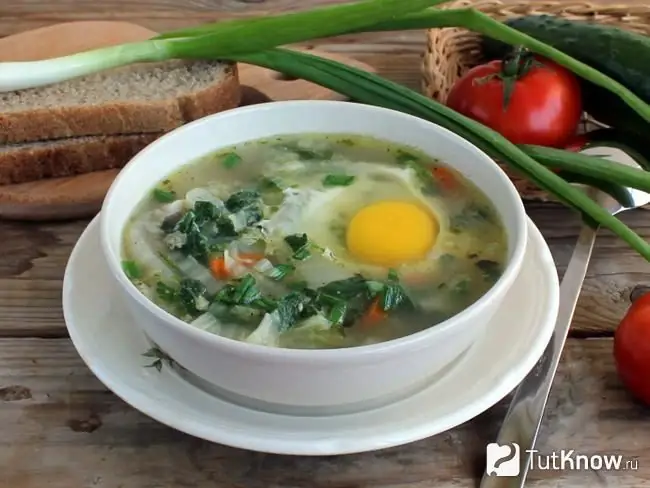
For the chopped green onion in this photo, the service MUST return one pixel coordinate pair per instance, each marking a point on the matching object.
(290, 308)
(393, 295)
(299, 244)
(165, 292)
(337, 312)
(424, 174)
(246, 292)
(131, 269)
(267, 183)
(280, 271)
(163, 196)
(298, 285)
(491, 270)
(230, 160)
(338, 180)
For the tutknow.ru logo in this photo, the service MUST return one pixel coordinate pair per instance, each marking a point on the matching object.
(505, 460)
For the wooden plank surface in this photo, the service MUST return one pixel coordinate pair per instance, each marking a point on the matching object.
(62, 429)
(17, 15)
(158, 15)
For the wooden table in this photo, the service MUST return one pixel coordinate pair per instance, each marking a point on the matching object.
(61, 428)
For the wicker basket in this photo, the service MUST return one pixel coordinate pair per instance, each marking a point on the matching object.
(451, 52)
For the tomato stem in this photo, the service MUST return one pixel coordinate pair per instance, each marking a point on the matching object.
(515, 66)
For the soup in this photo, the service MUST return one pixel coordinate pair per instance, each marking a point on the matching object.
(314, 241)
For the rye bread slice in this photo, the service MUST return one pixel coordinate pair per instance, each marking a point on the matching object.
(22, 163)
(136, 99)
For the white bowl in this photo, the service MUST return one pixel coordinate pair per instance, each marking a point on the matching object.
(338, 379)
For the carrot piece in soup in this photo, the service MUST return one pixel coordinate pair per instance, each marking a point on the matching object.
(375, 313)
(218, 268)
(445, 177)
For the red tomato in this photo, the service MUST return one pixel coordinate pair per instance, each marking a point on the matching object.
(577, 143)
(632, 349)
(545, 106)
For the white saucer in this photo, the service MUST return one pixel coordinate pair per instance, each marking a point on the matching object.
(112, 346)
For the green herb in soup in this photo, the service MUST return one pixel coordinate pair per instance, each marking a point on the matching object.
(315, 241)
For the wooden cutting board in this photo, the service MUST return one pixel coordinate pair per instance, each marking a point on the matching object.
(81, 196)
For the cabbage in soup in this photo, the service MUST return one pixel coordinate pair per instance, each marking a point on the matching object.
(315, 241)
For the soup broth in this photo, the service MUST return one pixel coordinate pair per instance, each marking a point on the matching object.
(315, 241)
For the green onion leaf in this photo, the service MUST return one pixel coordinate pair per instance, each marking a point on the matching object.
(338, 180)
(271, 191)
(246, 291)
(241, 200)
(163, 196)
(131, 269)
(299, 244)
(491, 270)
(298, 285)
(165, 292)
(280, 271)
(230, 160)
(346, 289)
(337, 312)
(392, 297)
(291, 308)
(205, 212)
(190, 294)
(305, 154)
(393, 294)
(421, 171)
(264, 303)
(267, 183)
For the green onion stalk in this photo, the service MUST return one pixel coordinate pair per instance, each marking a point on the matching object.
(365, 87)
(253, 41)
(590, 166)
(473, 20)
(241, 36)
(225, 38)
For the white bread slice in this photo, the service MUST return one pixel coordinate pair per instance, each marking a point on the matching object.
(22, 163)
(136, 99)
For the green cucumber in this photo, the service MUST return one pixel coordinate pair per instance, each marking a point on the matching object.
(610, 110)
(622, 55)
(617, 53)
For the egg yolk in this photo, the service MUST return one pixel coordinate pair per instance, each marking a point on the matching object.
(390, 233)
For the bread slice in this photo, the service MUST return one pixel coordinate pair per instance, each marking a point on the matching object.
(21, 163)
(137, 99)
